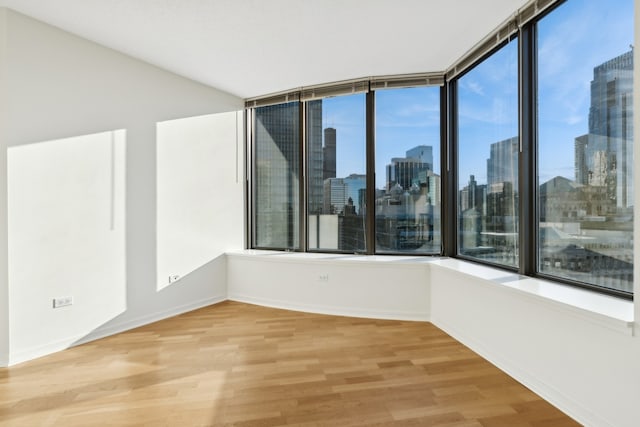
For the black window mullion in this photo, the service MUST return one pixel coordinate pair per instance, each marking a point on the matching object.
(252, 189)
(302, 223)
(248, 178)
(448, 114)
(370, 225)
(527, 167)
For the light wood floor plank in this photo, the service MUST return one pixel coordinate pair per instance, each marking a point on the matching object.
(242, 365)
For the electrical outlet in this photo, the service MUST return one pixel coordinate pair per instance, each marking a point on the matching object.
(62, 302)
(174, 278)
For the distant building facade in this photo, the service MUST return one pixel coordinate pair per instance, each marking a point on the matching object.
(329, 154)
(604, 156)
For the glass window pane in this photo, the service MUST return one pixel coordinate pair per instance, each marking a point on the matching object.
(585, 107)
(488, 159)
(336, 143)
(408, 170)
(277, 172)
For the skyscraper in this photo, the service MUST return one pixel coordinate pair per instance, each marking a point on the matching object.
(502, 165)
(315, 157)
(401, 171)
(356, 184)
(604, 156)
(580, 159)
(335, 195)
(424, 153)
(329, 154)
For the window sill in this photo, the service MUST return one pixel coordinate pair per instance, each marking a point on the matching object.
(311, 257)
(605, 310)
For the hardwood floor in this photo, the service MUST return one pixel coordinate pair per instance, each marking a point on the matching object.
(236, 364)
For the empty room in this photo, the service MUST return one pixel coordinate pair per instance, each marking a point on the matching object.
(318, 213)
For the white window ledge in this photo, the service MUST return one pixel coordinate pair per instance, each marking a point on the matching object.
(282, 256)
(608, 311)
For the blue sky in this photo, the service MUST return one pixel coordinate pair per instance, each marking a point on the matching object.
(405, 118)
(574, 38)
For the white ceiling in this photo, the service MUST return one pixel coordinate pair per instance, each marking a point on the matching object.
(255, 47)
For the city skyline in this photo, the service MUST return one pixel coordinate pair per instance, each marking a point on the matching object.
(592, 150)
(584, 222)
(568, 56)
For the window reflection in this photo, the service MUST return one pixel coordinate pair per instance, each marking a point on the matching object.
(586, 145)
(277, 174)
(488, 159)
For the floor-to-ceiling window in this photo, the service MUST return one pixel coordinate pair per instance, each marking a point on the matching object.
(407, 154)
(585, 154)
(276, 163)
(539, 148)
(336, 173)
(488, 147)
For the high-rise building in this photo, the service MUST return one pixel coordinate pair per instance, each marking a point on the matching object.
(315, 163)
(338, 191)
(502, 165)
(335, 195)
(329, 154)
(356, 185)
(580, 159)
(604, 156)
(402, 171)
(473, 196)
(424, 153)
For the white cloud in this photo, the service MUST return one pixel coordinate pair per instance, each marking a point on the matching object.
(574, 120)
(473, 86)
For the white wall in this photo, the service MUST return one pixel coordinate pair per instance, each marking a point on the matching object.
(59, 86)
(189, 238)
(382, 287)
(4, 287)
(579, 362)
(573, 347)
(66, 235)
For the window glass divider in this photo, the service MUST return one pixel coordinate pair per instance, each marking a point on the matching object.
(370, 225)
(248, 193)
(448, 117)
(302, 179)
(252, 178)
(527, 164)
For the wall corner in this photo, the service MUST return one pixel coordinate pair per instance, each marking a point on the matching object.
(4, 274)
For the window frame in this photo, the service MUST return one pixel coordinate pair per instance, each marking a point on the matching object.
(441, 147)
(251, 142)
(455, 144)
(523, 26)
(311, 96)
(532, 266)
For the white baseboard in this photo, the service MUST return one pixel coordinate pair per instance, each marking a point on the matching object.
(53, 347)
(569, 406)
(149, 318)
(332, 310)
(41, 350)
